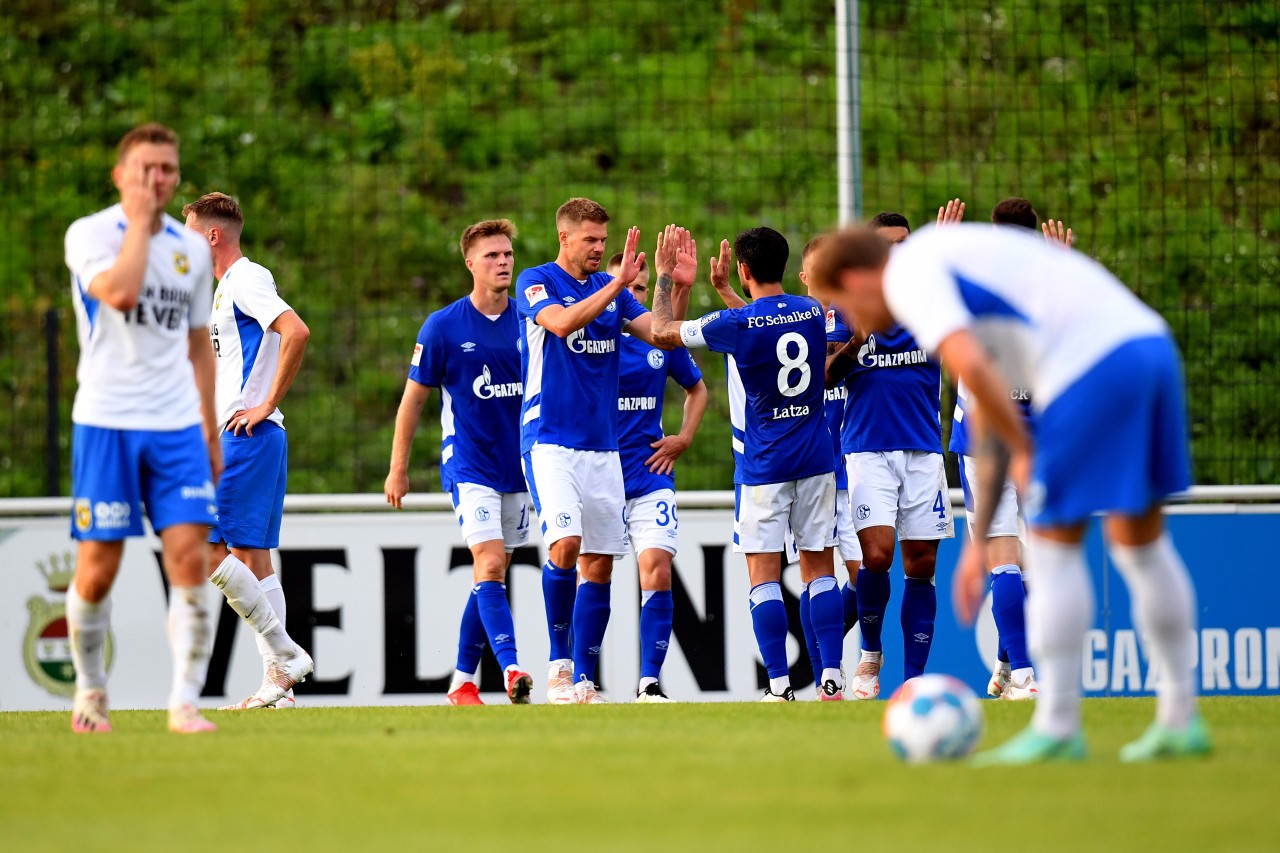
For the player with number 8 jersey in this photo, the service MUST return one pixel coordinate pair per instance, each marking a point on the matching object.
(786, 477)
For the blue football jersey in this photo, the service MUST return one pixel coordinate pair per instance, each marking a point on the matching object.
(959, 443)
(894, 394)
(836, 398)
(642, 387)
(778, 344)
(475, 363)
(570, 384)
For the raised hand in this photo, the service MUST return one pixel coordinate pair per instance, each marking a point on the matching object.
(720, 267)
(137, 182)
(664, 257)
(951, 213)
(629, 268)
(1055, 233)
(686, 270)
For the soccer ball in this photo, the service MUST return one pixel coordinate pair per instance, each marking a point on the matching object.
(933, 718)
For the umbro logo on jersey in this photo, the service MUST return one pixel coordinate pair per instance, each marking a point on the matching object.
(469, 346)
(568, 300)
(921, 637)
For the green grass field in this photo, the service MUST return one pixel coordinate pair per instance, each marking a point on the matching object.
(690, 776)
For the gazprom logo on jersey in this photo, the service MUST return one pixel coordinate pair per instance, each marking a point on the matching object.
(838, 393)
(783, 319)
(867, 356)
(579, 342)
(484, 388)
(637, 404)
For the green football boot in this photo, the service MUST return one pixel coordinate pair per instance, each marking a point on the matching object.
(1031, 747)
(1159, 742)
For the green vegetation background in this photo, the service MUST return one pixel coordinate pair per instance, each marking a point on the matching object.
(361, 137)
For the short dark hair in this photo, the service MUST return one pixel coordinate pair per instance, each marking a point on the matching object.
(851, 249)
(486, 228)
(1015, 211)
(576, 211)
(616, 261)
(889, 219)
(765, 253)
(216, 207)
(153, 133)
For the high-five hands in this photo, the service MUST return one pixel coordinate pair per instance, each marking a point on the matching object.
(677, 255)
(629, 268)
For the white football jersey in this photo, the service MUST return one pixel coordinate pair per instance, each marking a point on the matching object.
(135, 369)
(244, 307)
(1045, 314)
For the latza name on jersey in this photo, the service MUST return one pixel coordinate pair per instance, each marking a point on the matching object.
(792, 411)
(763, 320)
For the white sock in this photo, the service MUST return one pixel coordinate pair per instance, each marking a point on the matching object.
(780, 685)
(1059, 612)
(460, 678)
(833, 675)
(1164, 605)
(1002, 666)
(190, 641)
(1021, 674)
(645, 682)
(87, 624)
(245, 596)
(871, 657)
(275, 596)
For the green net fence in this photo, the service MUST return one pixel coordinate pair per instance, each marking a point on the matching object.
(362, 137)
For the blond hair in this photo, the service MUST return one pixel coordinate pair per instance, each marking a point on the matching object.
(487, 228)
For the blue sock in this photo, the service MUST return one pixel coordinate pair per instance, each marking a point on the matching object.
(826, 611)
(1008, 602)
(655, 631)
(590, 618)
(471, 638)
(919, 607)
(849, 597)
(873, 598)
(495, 614)
(769, 618)
(559, 586)
(810, 638)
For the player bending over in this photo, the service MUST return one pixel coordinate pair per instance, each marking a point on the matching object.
(1004, 311)
(469, 350)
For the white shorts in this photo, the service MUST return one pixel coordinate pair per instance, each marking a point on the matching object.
(902, 489)
(651, 521)
(578, 493)
(1005, 521)
(846, 533)
(761, 515)
(486, 514)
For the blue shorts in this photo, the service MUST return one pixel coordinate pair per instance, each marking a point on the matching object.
(251, 491)
(1116, 440)
(115, 473)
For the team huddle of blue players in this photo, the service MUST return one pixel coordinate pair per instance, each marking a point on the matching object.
(836, 440)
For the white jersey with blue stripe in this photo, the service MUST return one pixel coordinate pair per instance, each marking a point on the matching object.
(475, 362)
(570, 384)
(135, 369)
(1046, 314)
(244, 307)
(778, 345)
(642, 387)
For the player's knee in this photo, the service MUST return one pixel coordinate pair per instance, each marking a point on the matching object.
(877, 558)
(655, 574)
(491, 568)
(564, 552)
(919, 564)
